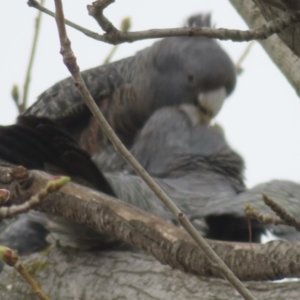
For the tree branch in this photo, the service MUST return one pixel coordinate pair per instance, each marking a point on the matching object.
(238, 64)
(167, 243)
(96, 11)
(115, 36)
(53, 185)
(70, 61)
(282, 217)
(11, 259)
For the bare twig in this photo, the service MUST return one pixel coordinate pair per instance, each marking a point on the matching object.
(117, 37)
(125, 26)
(262, 218)
(282, 217)
(282, 213)
(22, 106)
(111, 53)
(70, 61)
(53, 185)
(11, 258)
(15, 94)
(96, 11)
(238, 64)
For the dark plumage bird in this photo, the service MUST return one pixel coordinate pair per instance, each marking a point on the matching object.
(172, 71)
(39, 143)
(204, 176)
(191, 161)
(195, 168)
(194, 164)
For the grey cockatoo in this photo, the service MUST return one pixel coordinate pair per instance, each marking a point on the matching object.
(176, 70)
(191, 161)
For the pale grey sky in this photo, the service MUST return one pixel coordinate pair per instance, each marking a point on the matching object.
(261, 119)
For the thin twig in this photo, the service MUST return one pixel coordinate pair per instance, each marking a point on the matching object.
(287, 218)
(11, 258)
(52, 185)
(125, 26)
(70, 61)
(119, 37)
(15, 94)
(96, 11)
(111, 53)
(238, 64)
(255, 214)
(282, 217)
(22, 106)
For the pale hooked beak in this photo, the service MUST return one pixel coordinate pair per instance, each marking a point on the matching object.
(210, 103)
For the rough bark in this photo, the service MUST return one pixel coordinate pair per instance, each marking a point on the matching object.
(279, 52)
(124, 275)
(166, 242)
(289, 36)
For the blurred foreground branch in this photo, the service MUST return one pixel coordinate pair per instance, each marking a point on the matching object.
(11, 259)
(167, 243)
(70, 61)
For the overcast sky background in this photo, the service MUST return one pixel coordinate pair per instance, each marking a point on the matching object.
(261, 119)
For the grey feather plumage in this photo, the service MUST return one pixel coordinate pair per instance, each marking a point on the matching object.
(190, 160)
(200, 172)
(171, 72)
(205, 179)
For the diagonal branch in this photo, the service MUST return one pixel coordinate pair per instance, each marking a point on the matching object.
(70, 61)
